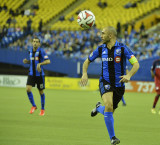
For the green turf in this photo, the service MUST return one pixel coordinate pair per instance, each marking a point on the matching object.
(67, 120)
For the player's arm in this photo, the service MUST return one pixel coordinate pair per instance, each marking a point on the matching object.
(84, 78)
(152, 73)
(152, 70)
(25, 61)
(92, 57)
(45, 62)
(132, 59)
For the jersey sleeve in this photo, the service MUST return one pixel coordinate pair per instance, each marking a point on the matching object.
(44, 55)
(129, 55)
(94, 55)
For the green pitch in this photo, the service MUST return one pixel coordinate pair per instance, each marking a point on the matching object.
(67, 120)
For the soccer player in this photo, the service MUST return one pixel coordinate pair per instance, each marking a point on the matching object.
(36, 74)
(155, 72)
(111, 82)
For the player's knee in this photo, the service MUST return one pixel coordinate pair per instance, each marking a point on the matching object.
(41, 92)
(109, 107)
(28, 89)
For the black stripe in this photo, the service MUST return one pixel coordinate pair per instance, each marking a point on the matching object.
(111, 68)
(100, 55)
(39, 61)
(33, 64)
(122, 67)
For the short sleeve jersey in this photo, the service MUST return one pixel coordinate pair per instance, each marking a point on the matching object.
(113, 62)
(36, 57)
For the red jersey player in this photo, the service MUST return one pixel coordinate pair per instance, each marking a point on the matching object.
(155, 72)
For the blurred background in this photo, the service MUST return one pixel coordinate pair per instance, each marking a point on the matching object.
(55, 23)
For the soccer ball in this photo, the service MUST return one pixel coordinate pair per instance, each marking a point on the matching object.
(86, 19)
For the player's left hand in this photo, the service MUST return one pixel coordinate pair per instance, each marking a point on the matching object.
(125, 78)
(39, 67)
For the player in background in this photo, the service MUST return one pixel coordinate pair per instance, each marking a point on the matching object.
(155, 73)
(36, 75)
(111, 83)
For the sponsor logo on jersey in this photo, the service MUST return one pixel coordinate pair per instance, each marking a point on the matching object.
(118, 51)
(37, 53)
(117, 59)
(107, 59)
(32, 58)
(107, 87)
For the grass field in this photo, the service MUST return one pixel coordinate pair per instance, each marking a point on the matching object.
(67, 120)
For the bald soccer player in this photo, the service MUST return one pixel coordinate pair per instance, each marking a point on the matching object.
(113, 77)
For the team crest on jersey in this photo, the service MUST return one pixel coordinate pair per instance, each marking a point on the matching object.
(117, 59)
(37, 53)
(107, 87)
(91, 54)
(118, 51)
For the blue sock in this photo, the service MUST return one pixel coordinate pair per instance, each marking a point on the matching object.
(100, 109)
(31, 99)
(109, 121)
(123, 100)
(42, 101)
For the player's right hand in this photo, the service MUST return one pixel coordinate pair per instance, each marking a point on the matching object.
(25, 61)
(84, 80)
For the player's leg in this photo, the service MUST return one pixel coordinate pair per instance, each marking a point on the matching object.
(30, 83)
(155, 103)
(98, 109)
(41, 87)
(124, 103)
(108, 116)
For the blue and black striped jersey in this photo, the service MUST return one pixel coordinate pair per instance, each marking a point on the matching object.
(113, 62)
(36, 57)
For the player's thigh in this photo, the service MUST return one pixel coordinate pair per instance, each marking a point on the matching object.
(40, 81)
(107, 98)
(117, 96)
(108, 101)
(30, 83)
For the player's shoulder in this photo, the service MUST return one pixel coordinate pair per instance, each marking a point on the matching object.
(119, 44)
(40, 49)
(101, 46)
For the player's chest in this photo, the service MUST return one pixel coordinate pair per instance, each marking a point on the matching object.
(34, 55)
(113, 55)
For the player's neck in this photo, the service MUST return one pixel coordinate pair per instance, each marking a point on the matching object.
(111, 43)
(35, 49)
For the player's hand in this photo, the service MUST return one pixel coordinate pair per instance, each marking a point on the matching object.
(84, 80)
(39, 67)
(125, 78)
(25, 61)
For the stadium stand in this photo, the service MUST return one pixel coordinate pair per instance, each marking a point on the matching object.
(76, 44)
(111, 14)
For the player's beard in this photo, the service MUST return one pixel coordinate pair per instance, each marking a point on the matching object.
(35, 47)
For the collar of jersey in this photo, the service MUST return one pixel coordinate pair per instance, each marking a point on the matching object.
(36, 50)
